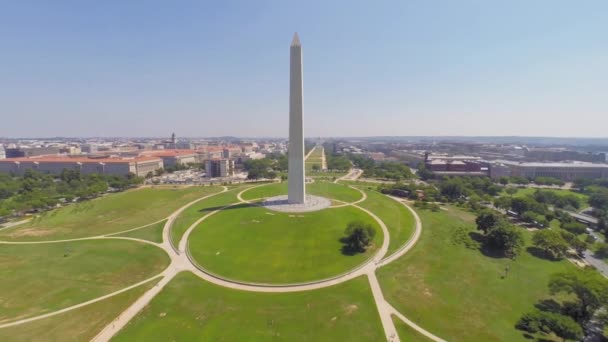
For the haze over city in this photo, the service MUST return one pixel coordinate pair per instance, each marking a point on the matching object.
(395, 68)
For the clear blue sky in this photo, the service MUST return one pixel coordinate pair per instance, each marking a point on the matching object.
(211, 68)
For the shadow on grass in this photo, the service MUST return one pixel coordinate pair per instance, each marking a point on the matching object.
(485, 248)
(549, 305)
(349, 250)
(539, 253)
(223, 207)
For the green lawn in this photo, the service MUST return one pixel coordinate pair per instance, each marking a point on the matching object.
(458, 293)
(406, 333)
(328, 174)
(397, 218)
(200, 209)
(560, 192)
(108, 214)
(317, 153)
(36, 279)
(189, 309)
(319, 188)
(152, 233)
(254, 244)
(81, 324)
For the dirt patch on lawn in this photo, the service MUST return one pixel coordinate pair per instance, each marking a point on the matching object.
(31, 232)
(351, 309)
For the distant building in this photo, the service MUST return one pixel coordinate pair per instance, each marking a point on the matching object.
(2, 153)
(174, 157)
(557, 155)
(219, 168)
(139, 166)
(564, 171)
(31, 151)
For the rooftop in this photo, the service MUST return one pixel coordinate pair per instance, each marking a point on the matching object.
(77, 159)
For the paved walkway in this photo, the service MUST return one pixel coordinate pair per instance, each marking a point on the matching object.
(352, 175)
(323, 160)
(180, 261)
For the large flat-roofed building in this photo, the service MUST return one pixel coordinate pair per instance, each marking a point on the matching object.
(174, 157)
(31, 151)
(564, 171)
(139, 166)
(219, 168)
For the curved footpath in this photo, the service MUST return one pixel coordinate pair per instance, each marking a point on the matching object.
(180, 262)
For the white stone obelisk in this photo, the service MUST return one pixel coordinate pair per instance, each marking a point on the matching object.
(297, 188)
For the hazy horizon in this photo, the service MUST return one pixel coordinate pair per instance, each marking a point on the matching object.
(391, 69)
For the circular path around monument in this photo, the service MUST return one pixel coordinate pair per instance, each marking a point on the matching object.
(250, 243)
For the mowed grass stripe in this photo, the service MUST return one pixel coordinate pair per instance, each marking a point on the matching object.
(108, 214)
(189, 309)
(81, 324)
(37, 279)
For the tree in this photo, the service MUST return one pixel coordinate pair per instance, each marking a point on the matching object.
(453, 188)
(550, 322)
(506, 238)
(589, 288)
(486, 220)
(511, 190)
(550, 242)
(599, 199)
(574, 227)
(602, 250)
(574, 242)
(503, 202)
(358, 235)
(503, 180)
(316, 167)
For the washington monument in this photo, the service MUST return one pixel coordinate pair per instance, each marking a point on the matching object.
(297, 188)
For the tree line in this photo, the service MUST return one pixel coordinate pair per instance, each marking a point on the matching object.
(35, 191)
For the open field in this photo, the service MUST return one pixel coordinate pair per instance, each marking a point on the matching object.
(152, 233)
(397, 218)
(317, 153)
(458, 293)
(200, 209)
(36, 279)
(406, 333)
(189, 309)
(254, 244)
(319, 188)
(107, 214)
(81, 324)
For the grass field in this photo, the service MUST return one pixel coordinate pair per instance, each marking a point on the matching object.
(326, 189)
(397, 218)
(530, 191)
(328, 174)
(200, 209)
(406, 333)
(108, 214)
(254, 244)
(458, 293)
(317, 153)
(36, 279)
(152, 233)
(78, 325)
(189, 309)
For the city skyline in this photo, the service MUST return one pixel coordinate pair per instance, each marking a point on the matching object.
(396, 69)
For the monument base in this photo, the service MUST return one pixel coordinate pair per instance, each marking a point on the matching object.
(312, 203)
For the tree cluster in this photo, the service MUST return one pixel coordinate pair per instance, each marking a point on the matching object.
(499, 235)
(260, 168)
(577, 299)
(38, 191)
